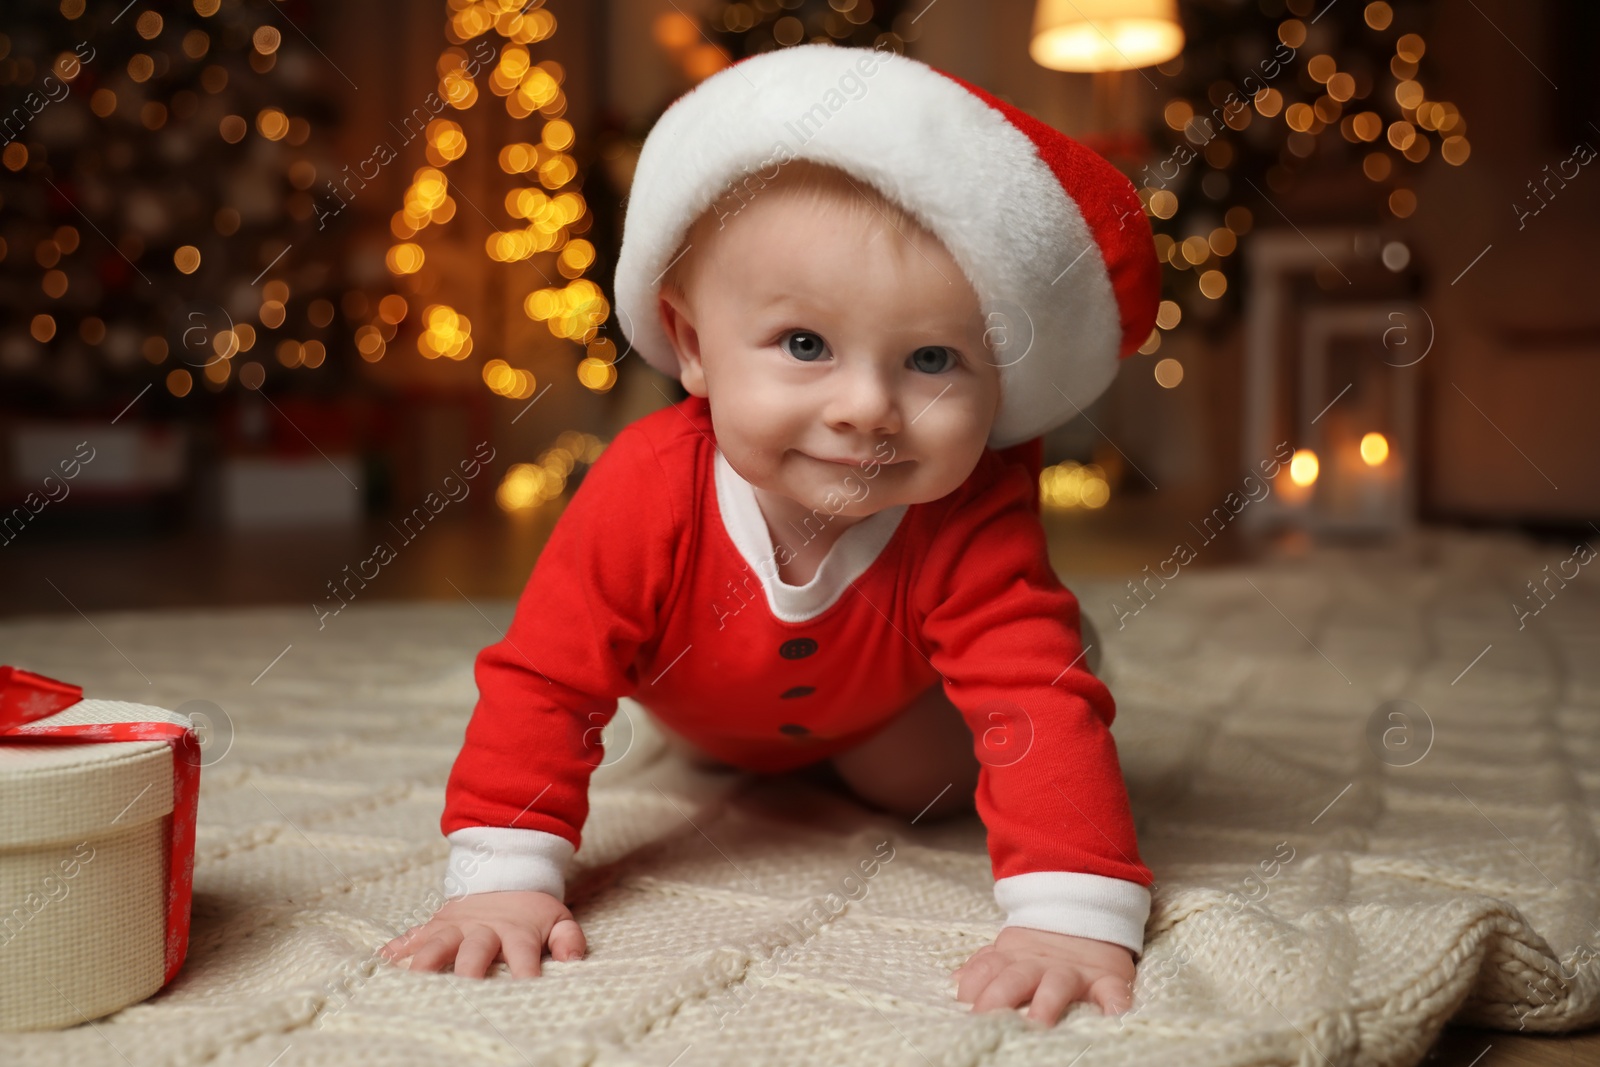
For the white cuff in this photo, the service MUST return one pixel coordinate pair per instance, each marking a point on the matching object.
(1071, 902)
(488, 859)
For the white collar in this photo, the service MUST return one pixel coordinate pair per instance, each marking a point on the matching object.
(849, 556)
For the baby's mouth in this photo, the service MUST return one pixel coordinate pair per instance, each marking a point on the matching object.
(851, 462)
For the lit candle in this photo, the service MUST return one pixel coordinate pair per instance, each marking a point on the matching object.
(1296, 484)
(1377, 478)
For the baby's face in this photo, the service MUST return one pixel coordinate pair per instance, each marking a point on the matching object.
(844, 361)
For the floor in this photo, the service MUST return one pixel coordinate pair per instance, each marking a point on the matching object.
(63, 575)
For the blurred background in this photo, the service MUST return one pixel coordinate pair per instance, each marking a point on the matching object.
(286, 282)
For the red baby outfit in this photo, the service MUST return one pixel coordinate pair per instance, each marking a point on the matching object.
(659, 583)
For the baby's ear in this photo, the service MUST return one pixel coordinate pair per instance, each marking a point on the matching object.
(685, 340)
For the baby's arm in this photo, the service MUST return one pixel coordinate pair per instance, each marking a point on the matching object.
(1004, 634)
(517, 796)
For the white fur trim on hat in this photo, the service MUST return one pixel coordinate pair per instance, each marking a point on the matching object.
(927, 141)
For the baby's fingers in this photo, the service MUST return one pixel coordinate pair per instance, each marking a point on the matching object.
(1012, 986)
(1113, 993)
(522, 951)
(974, 975)
(479, 947)
(1057, 990)
(566, 940)
(399, 948)
(440, 947)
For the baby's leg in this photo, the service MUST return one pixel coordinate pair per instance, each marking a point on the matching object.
(925, 752)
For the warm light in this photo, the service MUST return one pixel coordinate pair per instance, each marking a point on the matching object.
(1303, 467)
(558, 135)
(596, 374)
(527, 485)
(448, 333)
(675, 31)
(404, 258)
(392, 308)
(1069, 484)
(518, 158)
(446, 139)
(266, 39)
(1410, 47)
(369, 342)
(272, 123)
(1374, 449)
(1097, 35)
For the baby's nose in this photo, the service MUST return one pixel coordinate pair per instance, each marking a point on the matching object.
(865, 403)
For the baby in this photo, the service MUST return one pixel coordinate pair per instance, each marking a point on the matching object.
(829, 555)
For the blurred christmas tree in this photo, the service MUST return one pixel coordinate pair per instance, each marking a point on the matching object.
(160, 225)
(746, 29)
(540, 219)
(1305, 103)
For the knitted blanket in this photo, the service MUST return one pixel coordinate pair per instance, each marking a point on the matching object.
(1366, 783)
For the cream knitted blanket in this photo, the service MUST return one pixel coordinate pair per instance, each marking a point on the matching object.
(1337, 876)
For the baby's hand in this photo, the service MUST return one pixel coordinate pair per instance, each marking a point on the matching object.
(478, 928)
(1052, 970)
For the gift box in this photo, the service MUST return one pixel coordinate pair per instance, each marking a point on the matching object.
(97, 816)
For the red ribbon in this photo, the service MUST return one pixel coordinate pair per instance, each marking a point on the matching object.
(26, 698)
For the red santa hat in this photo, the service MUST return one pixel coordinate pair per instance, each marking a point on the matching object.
(1051, 236)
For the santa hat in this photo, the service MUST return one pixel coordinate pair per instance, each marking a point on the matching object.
(1051, 236)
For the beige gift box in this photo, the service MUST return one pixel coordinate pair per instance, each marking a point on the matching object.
(95, 862)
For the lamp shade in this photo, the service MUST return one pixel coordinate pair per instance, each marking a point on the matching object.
(1094, 35)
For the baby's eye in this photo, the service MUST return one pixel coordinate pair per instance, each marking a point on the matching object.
(933, 359)
(803, 345)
